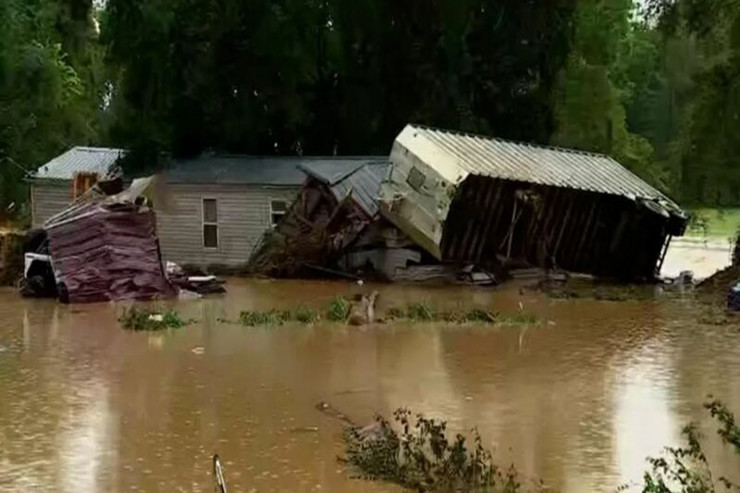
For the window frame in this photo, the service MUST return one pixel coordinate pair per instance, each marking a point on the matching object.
(273, 225)
(204, 223)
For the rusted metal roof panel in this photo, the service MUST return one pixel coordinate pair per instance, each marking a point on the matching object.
(496, 158)
(79, 160)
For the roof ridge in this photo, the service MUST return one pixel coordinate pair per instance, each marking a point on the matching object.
(290, 157)
(515, 142)
(96, 149)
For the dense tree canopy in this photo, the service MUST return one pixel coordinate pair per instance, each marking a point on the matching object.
(657, 89)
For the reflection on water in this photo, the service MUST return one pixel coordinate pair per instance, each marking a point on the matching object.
(579, 401)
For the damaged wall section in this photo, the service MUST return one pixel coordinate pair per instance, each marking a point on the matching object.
(334, 226)
(552, 227)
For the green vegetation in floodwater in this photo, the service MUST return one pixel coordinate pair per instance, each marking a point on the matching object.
(685, 469)
(416, 453)
(339, 309)
(142, 319)
(424, 312)
(270, 317)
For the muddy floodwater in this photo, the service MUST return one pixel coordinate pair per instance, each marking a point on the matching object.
(579, 400)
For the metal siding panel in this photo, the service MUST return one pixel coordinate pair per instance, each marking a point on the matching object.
(48, 200)
(536, 164)
(243, 217)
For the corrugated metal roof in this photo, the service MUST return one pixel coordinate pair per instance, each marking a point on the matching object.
(473, 154)
(361, 177)
(76, 160)
(250, 170)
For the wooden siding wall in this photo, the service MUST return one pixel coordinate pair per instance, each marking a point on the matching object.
(49, 199)
(243, 217)
(575, 230)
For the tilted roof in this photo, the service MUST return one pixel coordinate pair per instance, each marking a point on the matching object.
(79, 160)
(362, 178)
(455, 155)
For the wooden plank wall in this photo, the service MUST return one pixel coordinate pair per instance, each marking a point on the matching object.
(575, 230)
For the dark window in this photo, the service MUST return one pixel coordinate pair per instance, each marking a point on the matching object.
(210, 223)
(416, 179)
(278, 208)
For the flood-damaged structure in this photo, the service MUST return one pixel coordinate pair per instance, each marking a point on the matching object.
(105, 247)
(470, 199)
(335, 227)
(448, 201)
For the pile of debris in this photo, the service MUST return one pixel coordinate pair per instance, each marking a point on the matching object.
(198, 283)
(105, 247)
(334, 227)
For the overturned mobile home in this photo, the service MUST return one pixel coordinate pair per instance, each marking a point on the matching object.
(106, 248)
(471, 199)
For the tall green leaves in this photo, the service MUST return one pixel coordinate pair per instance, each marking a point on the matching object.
(612, 61)
(330, 76)
(46, 104)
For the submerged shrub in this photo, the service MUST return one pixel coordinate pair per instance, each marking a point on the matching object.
(421, 311)
(270, 317)
(416, 453)
(339, 309)
(141, 319)
(306, 315)
(685, 469)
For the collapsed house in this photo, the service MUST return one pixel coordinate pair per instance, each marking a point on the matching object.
(106, 248)
(334, 226)
(470, 199)
(448, 203)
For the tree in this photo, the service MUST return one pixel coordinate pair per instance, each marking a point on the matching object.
(329, 76)
(45, 105)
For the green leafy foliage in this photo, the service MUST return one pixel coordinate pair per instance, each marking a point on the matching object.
(49, 70)
(415, 453)
(270, 317)
(685, 469)
(143, 319)
(339, 309)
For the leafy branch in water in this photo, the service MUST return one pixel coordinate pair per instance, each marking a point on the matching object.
(686, 469)
(415, 453)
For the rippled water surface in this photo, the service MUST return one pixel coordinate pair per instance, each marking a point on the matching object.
(579, 400)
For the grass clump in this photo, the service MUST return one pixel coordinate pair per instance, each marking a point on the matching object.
(306, 315)
(278, 317)
(339, 309)
(423, 312)
(270, 317)
(415, 453)
(142, 319)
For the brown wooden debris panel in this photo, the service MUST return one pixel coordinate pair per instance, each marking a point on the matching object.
(106, 248)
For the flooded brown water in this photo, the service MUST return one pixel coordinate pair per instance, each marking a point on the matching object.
(579, 400)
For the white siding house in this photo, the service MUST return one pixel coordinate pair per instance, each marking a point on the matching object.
(211, 210)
